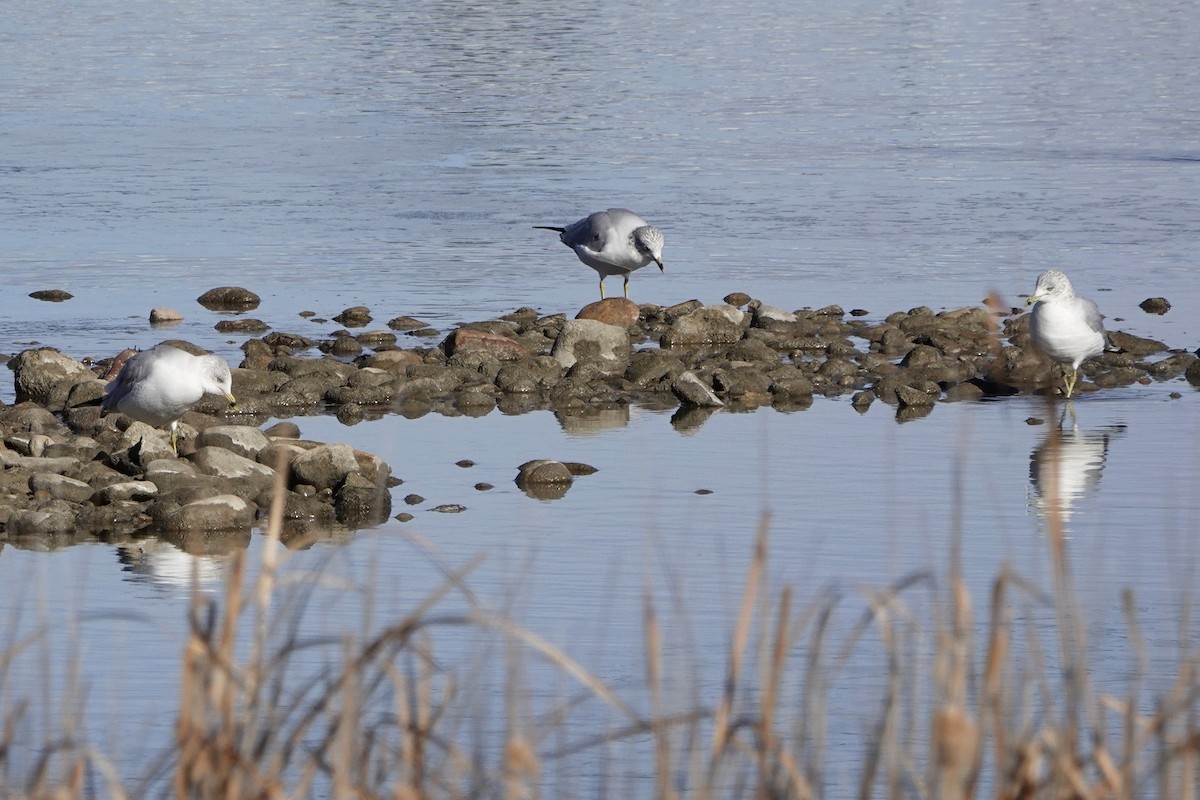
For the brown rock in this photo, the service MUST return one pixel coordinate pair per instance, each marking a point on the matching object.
(468, 339)
(617, 311)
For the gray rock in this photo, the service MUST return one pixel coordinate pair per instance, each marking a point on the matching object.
(717, 324)
(136, 491)
(240, 439)
(34, 464)
(51, 519)
(589, 339)
(60, 487)
(46, 376)
(163, 314)
(225, 464)
(694, 392)
(222, 512)
(325, 467)
(543, 471)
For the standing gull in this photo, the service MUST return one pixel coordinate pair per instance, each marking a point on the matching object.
(1066, 328)
(157, 386)
(613, 242)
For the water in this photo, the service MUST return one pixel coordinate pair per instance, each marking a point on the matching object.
(396, 156)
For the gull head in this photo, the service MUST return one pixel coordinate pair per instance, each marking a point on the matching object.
(217, 378)
(649, 242)
(1051, 283)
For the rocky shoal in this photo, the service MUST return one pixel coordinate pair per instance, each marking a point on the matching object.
(67, 468)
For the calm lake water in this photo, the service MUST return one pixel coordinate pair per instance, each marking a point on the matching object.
(876, 155)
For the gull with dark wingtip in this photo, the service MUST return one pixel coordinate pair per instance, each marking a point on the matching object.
(157, 386)
(613, 242)
(1065, 327)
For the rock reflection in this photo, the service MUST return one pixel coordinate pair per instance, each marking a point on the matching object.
(688, 419)
(1067, 465)
(589, 420)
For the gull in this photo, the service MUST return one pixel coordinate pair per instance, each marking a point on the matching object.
(613, 242)
(1065, 328)
(157, 386)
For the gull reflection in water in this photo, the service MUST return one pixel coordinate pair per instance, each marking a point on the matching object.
(164, 564)
(1067, 465)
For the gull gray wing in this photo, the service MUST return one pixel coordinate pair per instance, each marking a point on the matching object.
(1091, 313)
(135, 370)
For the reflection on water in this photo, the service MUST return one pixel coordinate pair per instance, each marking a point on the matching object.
(1067, 464)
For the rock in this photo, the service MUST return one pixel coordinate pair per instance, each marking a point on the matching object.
(405, 324)
(653, 369)
(222, 512)
(325, 466)
(1135, 345)
(1155, 305)
(737, 298)
(240, 439)
(618, 311)
(137, 491)
(225, 464)
(543, 471)
(247, 325)
(504, 348)
(45, 376)
(908, 396)
(51, 295)
(590, 340)
(229, 298)
(59, 487)
(164, 315)
(395, 361)
(413, 499)
(718, 324)
(693, 392)
(449, 508)
(283, 430)
(376, 339)
(51, 519)
(1192, 374)
(354, 317)
(360, 502)
(344, 346)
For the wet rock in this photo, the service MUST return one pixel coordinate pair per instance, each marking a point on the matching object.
(484, 487)
(354, 317)
(1171, 366)
(325, 466)
(741, 381)
(292, 342)
(907, 396)
(499, 345)
(718, 324)
(239, 439)
(229, 298)
(862, 401)
(242, 326)
(394, 361)
(359, 502)
(1135, 345)
(579, 469)
(413, 499)
(1155, 305)
(617, 311)
(967, 390)
(543, 471)
(283, 430)
(51, 295)
(737, 298)
(46, 376)
(344, 346)
(1192, 374)
(164, 316)
(590, 340)
(59, 487)
(654, 370)
(48, 520)
(405, 324)
(449, 508)
(693, 392)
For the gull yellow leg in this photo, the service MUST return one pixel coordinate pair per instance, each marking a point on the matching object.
(175, 438)
(1069, 380)
(601, 287)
